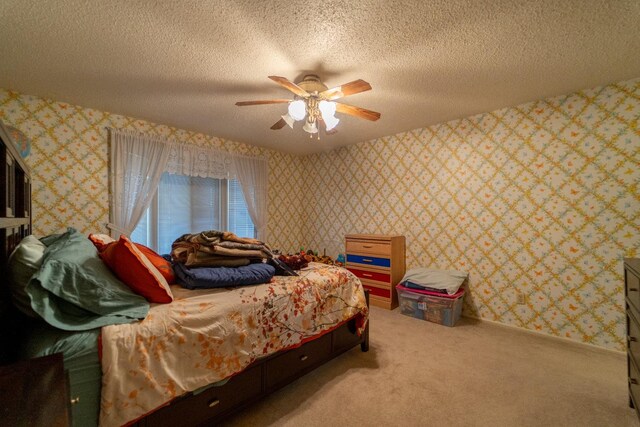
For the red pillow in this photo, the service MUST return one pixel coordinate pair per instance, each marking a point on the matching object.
(100, 241)
(163, 266)
(131, 266)
(103, 241)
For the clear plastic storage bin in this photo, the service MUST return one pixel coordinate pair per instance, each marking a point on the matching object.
(438, 308)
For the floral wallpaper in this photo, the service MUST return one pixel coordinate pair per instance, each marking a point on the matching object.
(69, 166)
(541, 199)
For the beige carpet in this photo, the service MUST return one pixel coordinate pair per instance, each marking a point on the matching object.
(418, 373)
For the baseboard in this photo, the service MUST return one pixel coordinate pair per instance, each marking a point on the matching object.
(542, 334)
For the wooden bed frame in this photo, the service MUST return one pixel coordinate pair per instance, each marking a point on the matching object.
(205, 408)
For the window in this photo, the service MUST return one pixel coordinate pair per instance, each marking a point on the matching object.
(188, 204)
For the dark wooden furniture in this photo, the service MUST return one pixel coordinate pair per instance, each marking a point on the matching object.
(379, 261)
(15, 195)
(632, 294)
(205, 408)
(15, 223)
(35, 393)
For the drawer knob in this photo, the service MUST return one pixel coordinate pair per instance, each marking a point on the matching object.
(633, 381)
(75, 400)
(632, 339)
(213, 403)
(367, 246)
(633, 289)
(367, 260)
(367, 275)
(303, 357)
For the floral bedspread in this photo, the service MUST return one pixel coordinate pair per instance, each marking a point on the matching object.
(204, 336)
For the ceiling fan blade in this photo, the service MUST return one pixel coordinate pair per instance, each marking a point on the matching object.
(285, 83)
(279, 124)
(347, 89)
(351, 110)
(268, 101)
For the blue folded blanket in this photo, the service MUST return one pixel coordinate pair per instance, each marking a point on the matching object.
(222, 277)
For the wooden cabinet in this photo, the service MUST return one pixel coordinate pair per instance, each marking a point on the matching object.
(15, 223)
(35, 393)
(15, 195)
(379, 261)
(632, 294)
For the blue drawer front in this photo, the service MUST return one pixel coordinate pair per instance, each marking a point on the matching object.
(370, 260)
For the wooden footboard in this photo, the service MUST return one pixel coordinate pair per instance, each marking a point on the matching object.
(257, 381)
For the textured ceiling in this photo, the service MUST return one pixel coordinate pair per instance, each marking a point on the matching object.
(185, 63)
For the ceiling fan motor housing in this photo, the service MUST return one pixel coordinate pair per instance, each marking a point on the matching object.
(312, 84)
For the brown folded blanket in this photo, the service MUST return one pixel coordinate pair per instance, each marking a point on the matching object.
(217, 248)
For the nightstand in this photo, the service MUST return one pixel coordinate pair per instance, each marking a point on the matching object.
(35, 393)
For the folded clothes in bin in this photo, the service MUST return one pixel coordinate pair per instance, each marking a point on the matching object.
(448, 281)
(432, 306)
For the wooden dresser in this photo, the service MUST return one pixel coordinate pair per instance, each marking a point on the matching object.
(35, 393)
(379, 261)
(632, 294)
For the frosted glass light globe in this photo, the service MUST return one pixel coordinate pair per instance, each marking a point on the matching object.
(289, 120)
(310, 127)
(327, 109)
(297, 109)
(331, 122)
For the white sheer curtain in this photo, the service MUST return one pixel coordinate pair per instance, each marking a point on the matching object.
(137, 163)
(253, 175)
(191, 160)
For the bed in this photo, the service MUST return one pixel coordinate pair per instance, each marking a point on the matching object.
(184, 364)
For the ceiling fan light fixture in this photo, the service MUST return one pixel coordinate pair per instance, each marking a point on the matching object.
(327, 109)
(331, 122)
(297, 109)
(289, 120)
(310, 127)
(314, 102)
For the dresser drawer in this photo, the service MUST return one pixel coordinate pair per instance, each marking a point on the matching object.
(634, 382)
(35, 393)
(633, 337)
(370, 275)
(295, 362)
(378, 292)
(632, 288)
(369, 247)
(200, 407)
(369, 260)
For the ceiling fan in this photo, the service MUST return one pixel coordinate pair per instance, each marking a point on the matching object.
(315, 103)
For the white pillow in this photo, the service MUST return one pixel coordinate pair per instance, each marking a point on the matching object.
(24, 261)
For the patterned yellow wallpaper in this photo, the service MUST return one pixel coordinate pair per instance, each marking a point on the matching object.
(69, 166)
(541, 199)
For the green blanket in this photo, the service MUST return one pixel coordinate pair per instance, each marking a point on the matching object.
(74, 290)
